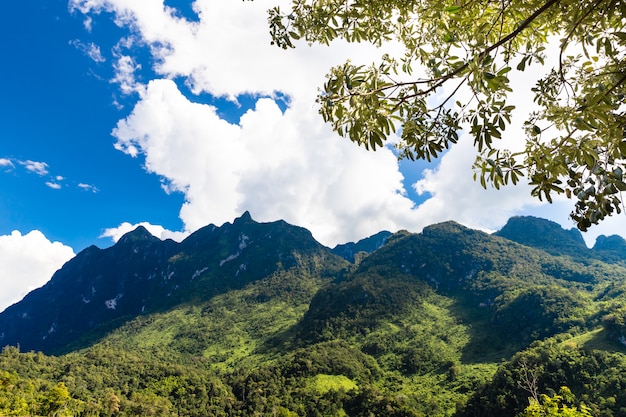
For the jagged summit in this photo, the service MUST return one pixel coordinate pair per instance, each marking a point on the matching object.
(448, 226)
(140, 233)
(141, 274)
(610, 248)
(246, 217)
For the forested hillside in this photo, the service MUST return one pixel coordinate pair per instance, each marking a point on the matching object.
(447, 322)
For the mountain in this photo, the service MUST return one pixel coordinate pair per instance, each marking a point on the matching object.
(367, 245)
(260, 319)
(520, 293)
(101, 288)
(544, 234)
(611, 248)
(551, 237)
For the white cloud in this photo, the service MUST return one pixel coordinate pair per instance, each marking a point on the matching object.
(264, 165)
(39, 168)
(456, 196)
(53, 185)
(4, 162)
(88, 187)
(277, 165)
(87, 24)
(115, 233)
(125, 68)
(91, 50)
(27, 262)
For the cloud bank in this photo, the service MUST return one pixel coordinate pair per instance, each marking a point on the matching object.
(27, 262)
(274, 163)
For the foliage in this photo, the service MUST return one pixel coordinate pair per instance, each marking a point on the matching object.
(457, 70)
(615, 324)
(594, 377)
(554, 406)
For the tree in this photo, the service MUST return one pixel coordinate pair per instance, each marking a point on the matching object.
(455, 73)
(55, 400)
(554, 406)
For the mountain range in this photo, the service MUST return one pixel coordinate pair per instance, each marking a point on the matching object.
(410, 323)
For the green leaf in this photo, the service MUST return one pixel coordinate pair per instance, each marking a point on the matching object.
(452, 9)
(504, 71)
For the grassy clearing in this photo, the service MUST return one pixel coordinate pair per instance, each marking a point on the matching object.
(323, 383)
(595, 339)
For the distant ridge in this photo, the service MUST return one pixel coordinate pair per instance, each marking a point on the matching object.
(367, 245)
(551, 237)
(611, 248)
(544, 234)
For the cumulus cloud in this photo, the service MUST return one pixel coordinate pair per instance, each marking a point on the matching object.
(276, 164)
(264, 164)
(115, 233)
(27, 262)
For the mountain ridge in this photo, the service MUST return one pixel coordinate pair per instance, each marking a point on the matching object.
(141, 273)
(255, 318)
(551, 237)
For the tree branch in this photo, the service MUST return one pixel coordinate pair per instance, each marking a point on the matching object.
(486, 52)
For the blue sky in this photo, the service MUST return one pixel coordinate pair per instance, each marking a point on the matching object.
(57, 108)
(117, 112)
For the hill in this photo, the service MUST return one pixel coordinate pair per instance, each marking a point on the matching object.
(450, 321)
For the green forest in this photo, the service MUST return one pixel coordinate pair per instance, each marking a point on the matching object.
(448, 322)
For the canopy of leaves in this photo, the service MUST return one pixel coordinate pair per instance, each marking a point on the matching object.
(456, 72)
